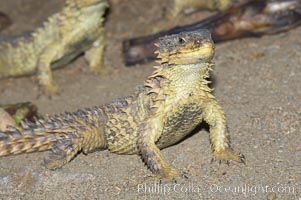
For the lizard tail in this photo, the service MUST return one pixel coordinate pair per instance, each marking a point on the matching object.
(32, 137)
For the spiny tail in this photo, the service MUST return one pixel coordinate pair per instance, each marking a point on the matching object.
(31, 137)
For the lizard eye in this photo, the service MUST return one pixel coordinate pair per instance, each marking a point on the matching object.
(182, 40)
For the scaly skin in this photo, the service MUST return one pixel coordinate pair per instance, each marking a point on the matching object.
(76, 29)
(162, 111)
(175, 7)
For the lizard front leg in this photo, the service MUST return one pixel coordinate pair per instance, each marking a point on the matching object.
(44, 72)
(175, 7)
(150, 153)
(219, 138)
(94, 55)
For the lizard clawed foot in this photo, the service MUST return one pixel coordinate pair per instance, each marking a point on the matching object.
(98, 70)
(54, 162)
(225, 155)
(57, 158)
(172, 174)
(48, 90)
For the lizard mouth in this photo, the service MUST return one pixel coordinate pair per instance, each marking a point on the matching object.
(203, 52)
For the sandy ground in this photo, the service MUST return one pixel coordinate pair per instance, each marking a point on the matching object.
(257, 81)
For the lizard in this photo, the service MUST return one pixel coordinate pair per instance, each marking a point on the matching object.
(247, 18)
(175, 7)
(162, 111)
(77, 29)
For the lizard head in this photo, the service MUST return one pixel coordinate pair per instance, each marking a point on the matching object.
(186, 48)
